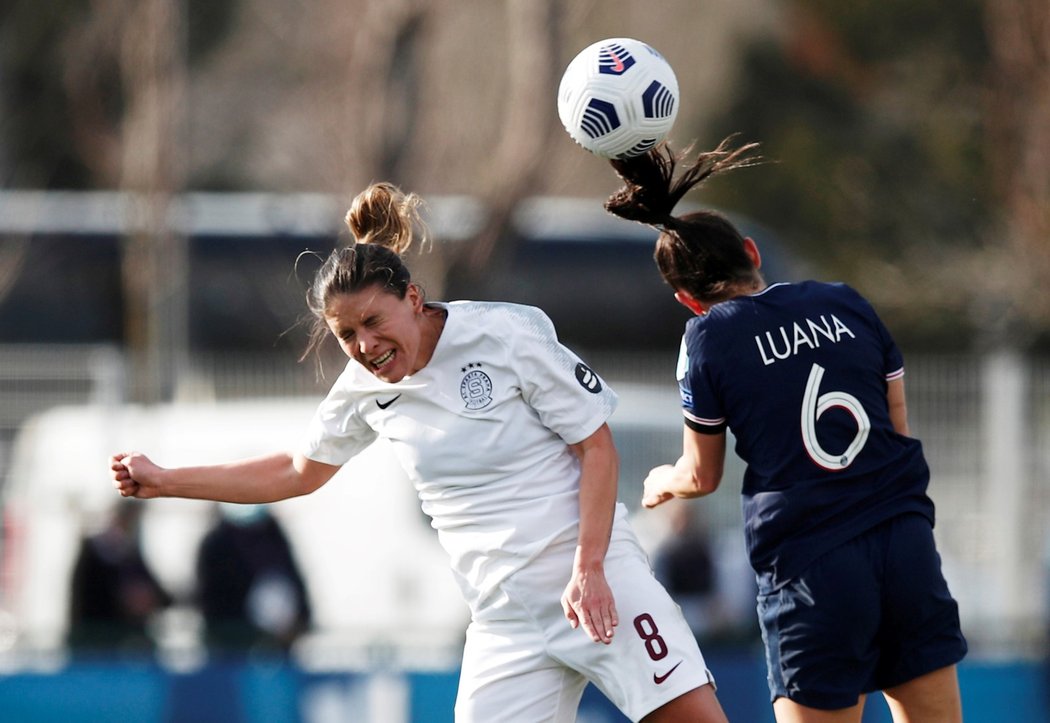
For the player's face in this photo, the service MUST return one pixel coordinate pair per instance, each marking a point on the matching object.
(379, 330)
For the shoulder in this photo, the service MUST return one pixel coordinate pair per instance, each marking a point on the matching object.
(697, 332)
(496, 309)
(849, 296)
(838, 289)
(805, 292)
(502, 318)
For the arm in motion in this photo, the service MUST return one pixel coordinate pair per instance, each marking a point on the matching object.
(257, 480)
(697, 472)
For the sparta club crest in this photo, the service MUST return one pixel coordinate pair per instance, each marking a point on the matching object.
(476, 387)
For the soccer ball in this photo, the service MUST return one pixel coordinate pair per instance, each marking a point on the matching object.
(618, 98)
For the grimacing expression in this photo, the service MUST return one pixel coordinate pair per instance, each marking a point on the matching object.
(379, 330)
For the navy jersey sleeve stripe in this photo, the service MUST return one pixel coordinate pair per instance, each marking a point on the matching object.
(704, 428)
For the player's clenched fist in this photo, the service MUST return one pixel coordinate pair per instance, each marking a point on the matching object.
(134, 475)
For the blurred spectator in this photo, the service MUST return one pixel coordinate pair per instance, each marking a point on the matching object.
(114, 593)
(708, 574)
(685, 564)
(251, 593)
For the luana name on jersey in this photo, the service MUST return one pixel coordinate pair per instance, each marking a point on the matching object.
(790, 342)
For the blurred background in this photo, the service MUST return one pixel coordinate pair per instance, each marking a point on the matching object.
(164, 164)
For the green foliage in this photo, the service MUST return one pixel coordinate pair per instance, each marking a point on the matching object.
(35, 120)
(871, 116)
(59, 93)
(875, 30)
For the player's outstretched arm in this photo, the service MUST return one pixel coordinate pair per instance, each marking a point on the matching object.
(697, 472)
(257, 480)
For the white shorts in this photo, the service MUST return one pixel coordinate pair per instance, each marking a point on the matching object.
(523, 662)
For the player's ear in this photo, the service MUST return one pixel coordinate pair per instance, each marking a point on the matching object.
(686, 300)
(751, 249)
(415, 296)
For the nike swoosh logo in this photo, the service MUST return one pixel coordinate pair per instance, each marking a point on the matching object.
(617, 64)
(661, 678)
(382, 405)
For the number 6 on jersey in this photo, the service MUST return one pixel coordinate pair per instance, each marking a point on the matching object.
(814, 406)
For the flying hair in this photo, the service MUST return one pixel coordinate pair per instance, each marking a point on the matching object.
(701, 252)
(651, 191)
(386, 216)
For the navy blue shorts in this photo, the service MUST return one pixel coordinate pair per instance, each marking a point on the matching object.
(869, 615)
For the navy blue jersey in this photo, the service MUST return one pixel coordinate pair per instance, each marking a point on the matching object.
(798, 373)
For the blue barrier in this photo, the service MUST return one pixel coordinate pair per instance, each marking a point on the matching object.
(112, 691)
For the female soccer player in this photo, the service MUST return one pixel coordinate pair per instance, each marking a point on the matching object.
(503, 433)
(836, 516)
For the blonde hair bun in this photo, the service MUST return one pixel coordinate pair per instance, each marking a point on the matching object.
(385, 215)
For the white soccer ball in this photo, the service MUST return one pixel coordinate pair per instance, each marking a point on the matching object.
(618, 98)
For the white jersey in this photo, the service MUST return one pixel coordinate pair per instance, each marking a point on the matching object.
(482, 431)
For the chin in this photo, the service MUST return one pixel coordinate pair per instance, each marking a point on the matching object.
(388, 376)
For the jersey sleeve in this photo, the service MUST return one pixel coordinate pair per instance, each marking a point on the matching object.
(700, 405)
(336, 432)
(569, 397)
(893, 359)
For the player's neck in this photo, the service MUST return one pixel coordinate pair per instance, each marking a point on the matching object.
(747, 288)
(433, 323)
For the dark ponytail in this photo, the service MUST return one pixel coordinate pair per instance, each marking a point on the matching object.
(651, 191)
(701, 253)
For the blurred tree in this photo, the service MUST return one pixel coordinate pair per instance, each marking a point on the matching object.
(384, 70)
(1013, 271)
(39, 145)
(61, 86)
(379, 71)
(439, 96)
(98, 97)
(871, 114)
(897, 129)
(517, 167)
(150, 37)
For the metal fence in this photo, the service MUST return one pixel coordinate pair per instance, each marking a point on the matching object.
(984, 421)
